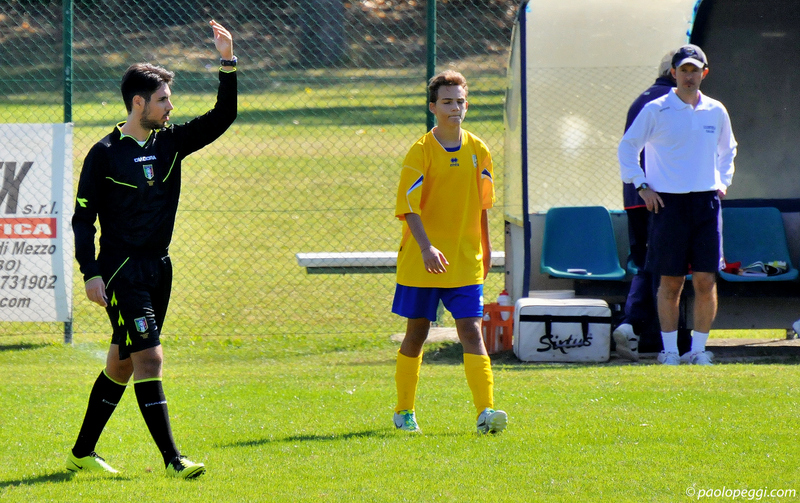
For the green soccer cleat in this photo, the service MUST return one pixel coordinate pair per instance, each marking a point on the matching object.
(492, 421)
(183, 468)
(90, 463)
(406, 420)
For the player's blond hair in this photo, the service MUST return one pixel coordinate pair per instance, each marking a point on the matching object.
(445, 78)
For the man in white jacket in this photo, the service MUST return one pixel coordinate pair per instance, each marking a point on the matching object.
(689, 169)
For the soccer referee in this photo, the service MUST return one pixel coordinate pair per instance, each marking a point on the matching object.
(131, 182)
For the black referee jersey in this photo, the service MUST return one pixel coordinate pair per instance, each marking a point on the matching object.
(134, 190)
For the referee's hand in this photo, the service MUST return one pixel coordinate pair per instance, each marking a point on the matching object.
(96, 291)
(222, 40)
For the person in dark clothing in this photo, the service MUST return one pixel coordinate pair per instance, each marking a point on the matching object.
(131, 182)
(640, 306)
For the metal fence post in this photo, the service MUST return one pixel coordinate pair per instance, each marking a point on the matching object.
(431, 57)
(68, 105)
(67, 60)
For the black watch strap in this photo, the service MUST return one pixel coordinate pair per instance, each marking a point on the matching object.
(228, 62)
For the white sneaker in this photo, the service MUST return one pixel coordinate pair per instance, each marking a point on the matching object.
(627, 342)
(406, 420)
(669, 358)
(698, 358)
(492, 421)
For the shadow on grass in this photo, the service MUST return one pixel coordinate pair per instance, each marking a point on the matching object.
(451, 353)
(41, 479)
(386, 433)
(337, 116)
(21, 347)
(765, 352)
(57, 477)
(446, 353)
(311, 438)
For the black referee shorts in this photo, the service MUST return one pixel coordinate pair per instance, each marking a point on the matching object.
(138, 291)
(686, 232)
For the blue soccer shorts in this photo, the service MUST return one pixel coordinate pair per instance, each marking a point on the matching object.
(416, 302)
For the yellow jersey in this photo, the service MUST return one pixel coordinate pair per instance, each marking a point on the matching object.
(448, 190)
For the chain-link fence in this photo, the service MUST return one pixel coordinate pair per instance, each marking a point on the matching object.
(332, 95)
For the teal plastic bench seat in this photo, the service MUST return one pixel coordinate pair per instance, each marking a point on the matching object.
(755, 234)
(579, 243)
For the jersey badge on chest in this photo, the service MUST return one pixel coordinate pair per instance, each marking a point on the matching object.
(149, 173)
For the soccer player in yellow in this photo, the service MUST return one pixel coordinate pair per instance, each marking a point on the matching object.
(446, 187)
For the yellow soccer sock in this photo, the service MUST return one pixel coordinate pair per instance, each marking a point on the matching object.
(406, 377)
(480, 379)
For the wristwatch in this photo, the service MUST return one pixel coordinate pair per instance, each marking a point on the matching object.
(642, 187)
(228, 62)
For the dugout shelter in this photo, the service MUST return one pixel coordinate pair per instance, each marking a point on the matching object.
(575, 66)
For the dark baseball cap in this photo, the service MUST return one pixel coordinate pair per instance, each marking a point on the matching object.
(689, 53)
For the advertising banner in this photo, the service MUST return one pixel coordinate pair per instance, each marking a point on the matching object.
(36, 245)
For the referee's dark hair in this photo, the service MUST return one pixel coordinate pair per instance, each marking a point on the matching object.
(143, 79)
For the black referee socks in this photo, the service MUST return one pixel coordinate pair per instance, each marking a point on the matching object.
(103, 401)
(153, 404)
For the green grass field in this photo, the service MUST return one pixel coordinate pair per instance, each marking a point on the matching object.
(305, 418)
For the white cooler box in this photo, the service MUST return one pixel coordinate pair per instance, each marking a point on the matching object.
(562, 330)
